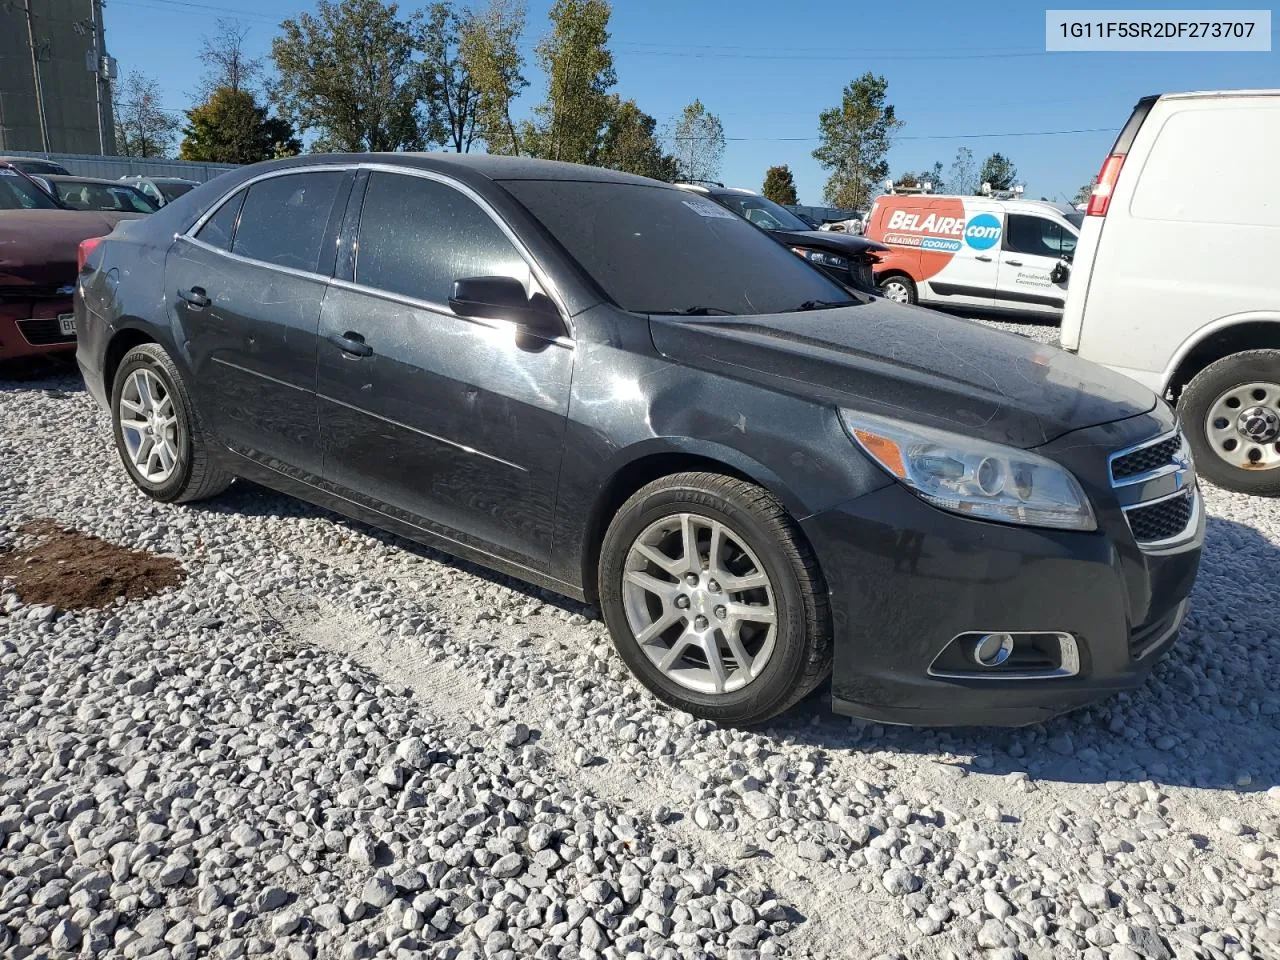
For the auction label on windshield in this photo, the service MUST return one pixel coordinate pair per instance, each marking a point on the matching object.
(1156, 30)
(708, 208)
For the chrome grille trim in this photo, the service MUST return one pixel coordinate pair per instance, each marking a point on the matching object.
(1179, 466)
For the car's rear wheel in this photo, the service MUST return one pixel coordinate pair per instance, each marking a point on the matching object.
(714, 599)
(898, 288)
(161, 439)
(1231, 415)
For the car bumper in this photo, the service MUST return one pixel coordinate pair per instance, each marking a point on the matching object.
(91, 348)
(31, 327)
(905, 578)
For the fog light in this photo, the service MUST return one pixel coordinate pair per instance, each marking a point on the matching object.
(992, 649)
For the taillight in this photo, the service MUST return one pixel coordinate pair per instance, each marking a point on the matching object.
(1105, 185)
(86, 251)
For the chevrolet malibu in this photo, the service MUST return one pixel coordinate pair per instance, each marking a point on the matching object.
(613, 389)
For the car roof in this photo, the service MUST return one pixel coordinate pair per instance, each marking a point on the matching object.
(73, 178)
(716, 191)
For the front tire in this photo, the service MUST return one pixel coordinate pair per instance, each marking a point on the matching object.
(1231, 415)
(163, 444)
(899, 288)
(713, 598)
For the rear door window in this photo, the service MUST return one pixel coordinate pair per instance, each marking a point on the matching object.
(219, 230)
(284, 219)
(417, 236)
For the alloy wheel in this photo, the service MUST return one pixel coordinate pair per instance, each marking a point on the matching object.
(149, 426)
(699, 603)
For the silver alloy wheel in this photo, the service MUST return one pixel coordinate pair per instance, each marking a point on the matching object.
(1243, 426)
(699, 603)
(896, 291)
(149, 426)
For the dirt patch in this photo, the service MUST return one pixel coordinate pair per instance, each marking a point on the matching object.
(71, 570)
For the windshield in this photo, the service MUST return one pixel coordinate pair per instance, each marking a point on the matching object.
(19, 193)
(664, 250)
(172, 191)
(81, 195)
(1075, 219)
(762, 212)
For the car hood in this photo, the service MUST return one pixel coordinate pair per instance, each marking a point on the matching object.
(841, 243)
(913, 364)
(39, 247)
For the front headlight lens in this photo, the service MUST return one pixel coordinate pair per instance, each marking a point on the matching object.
(821, 258)
(973, 477)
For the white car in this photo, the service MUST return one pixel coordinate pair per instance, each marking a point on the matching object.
(1177, 274)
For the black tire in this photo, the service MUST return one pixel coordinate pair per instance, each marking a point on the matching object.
(906, 283)
(801, 657)
(196, 476)
(1196, 402)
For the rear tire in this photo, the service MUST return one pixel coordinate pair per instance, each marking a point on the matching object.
(162, 441)
(1215, 409)
(899, 288)
(762, 671)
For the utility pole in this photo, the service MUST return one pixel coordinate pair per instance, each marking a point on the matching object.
(35, 77)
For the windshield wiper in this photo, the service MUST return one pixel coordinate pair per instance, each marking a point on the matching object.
(824, 305)
(691, 312)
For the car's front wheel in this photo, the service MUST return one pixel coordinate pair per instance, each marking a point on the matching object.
(714, 600)
(898, 288)
(160, 437)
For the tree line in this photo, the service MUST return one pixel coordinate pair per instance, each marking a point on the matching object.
(360, 75)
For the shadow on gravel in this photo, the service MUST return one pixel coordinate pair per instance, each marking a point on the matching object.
(1208, 715)
(20, 374)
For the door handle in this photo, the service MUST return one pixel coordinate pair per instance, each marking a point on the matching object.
(983, 259)
(196, 297)
(1014, 263)
(351, 343)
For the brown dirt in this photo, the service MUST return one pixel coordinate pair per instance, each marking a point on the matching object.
(72, 570)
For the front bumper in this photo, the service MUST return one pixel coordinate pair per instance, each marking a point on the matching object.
(905, 578)
(30, 327)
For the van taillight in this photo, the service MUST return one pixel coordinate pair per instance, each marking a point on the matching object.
(1105, 185)
(86, 251)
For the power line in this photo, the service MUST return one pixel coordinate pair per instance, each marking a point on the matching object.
(932, 136)
(191, 4)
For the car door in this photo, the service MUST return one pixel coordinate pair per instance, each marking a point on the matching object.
(1032, 247)
(453, 424)
(968, 277)
(246, 287)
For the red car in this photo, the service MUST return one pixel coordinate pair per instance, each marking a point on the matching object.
(39, 244)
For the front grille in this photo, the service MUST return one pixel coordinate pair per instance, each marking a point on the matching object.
(1161, 520)
(1146, 459)
(41, 332)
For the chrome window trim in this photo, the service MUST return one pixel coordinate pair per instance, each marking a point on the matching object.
(191, 231)
(262, 264)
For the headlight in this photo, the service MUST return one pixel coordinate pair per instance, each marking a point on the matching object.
(820, 258)
(972, 477)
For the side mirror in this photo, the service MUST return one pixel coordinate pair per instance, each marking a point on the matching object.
(1061, 271)
(503, 298)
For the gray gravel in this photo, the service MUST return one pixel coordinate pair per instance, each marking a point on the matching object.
(332, 743)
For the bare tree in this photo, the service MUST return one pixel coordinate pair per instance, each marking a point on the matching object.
(698, 143)
(143, 127)
(225, 60)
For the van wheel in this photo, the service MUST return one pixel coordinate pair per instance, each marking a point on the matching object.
(898, 288)
(714, 599)
(1231, 415)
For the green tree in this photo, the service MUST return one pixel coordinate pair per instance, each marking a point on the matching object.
(349, 73)
(964, 176)
(699, 143)
(446, 82)
(488, 45)
(1084, 193)
(569, 123)
(629, 144)
(231, 127)
(999, 171)
(780, 185)
(143, 127)
(856, 136)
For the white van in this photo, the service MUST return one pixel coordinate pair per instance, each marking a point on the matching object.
(1176, 279)
(969, 253)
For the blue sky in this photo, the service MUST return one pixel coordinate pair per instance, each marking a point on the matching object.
(955, 71)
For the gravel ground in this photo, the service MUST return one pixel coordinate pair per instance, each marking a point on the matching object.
(329, 742)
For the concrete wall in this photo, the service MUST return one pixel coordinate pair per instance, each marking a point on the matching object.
(64, 33)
